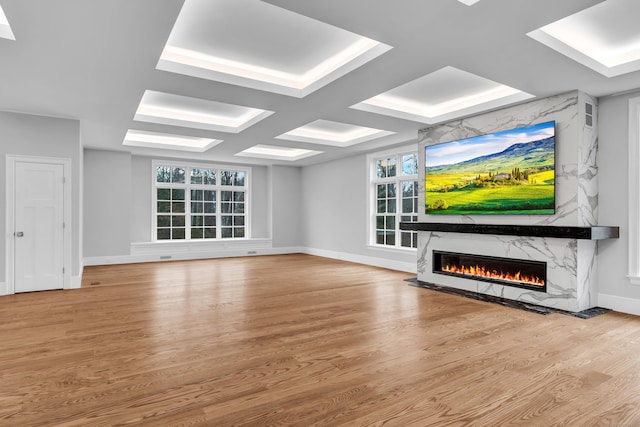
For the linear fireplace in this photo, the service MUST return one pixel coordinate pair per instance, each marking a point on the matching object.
(520, 273)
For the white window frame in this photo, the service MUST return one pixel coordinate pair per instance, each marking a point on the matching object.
(634, 194)
(373, 181)
(218, 188)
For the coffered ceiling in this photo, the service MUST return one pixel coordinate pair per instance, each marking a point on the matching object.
(299, 82)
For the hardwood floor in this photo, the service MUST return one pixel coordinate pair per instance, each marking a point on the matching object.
(303, 340)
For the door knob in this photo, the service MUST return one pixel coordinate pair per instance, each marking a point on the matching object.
(19, 233)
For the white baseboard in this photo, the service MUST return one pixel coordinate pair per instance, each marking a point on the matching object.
(167, 253)
(3, 288)
(409, 267)
(621, 304)
(155, 253)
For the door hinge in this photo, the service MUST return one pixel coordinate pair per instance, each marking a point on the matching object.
(64, 180)
(62, 270)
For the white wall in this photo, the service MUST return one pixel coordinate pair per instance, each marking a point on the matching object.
(107, 197)
(615, 291)
(29, 135)
(335, 212)
(286, 206)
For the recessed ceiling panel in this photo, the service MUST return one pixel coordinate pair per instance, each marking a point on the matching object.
(277, 153)
(176, 110)
(5, 28)
(604, 37)
(333, 133)
(442, 95)
(266, 48)
(138, 138)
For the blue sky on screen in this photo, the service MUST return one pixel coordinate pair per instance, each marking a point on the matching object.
(450, 153)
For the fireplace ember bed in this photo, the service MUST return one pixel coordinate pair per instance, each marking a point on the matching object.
(520, 273)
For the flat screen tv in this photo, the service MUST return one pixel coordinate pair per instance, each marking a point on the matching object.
(509, 172)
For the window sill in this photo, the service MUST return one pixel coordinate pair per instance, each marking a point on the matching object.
(169, 247)
(400, 250)
(634, 280)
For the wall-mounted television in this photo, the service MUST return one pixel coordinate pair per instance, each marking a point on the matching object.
(508, 172)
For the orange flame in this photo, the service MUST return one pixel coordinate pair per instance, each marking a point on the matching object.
(482, 271)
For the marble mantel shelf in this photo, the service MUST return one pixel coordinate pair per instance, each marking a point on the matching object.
(586, 233)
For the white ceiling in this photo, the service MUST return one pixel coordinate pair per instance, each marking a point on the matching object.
(94, 60)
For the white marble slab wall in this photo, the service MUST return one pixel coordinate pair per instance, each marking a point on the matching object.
(571, 263)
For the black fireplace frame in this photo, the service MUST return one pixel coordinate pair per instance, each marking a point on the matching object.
(437, 261)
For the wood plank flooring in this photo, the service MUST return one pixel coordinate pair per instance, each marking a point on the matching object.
(297, 340)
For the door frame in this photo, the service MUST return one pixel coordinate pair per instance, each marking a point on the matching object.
(10, 209)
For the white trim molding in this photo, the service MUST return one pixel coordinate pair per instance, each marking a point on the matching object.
(620, 304)
(409, 267)
(634, 192)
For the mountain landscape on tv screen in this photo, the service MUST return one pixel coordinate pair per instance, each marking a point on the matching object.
(517, 180)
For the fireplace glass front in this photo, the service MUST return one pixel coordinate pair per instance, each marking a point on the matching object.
(520, 273)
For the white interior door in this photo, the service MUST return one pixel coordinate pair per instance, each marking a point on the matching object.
(38, 227)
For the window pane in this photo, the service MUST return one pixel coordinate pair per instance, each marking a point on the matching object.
(226, 178)
(177, 233)
(164, 233)
(164, 220)
(410, 164)
(407, 205)
(391, 190)
(225, 207)
(177, 221)
(238, 196)
(238, 232)
(390, 222)
(197, 220)
(226, 196)
(239, 179)
(391, 167)
(177, 194)
(407, 189)
(196, 207)
(226, 233)
(390, 238)
(203, 176)
(391, 205)
(210, 221)
(379, 222)
(164, 207)
(177, 207)
(197, 233)
(210, 196)
(210, 233)
(209, 207)
(163, 194)
(196, 178)
(227, 221)
(382, 191)
(197, 194)
(381, 169)
(380, 237)
(238, 208)
(177, 175)
(163, 174)
(238, 220)
(405, 239)
(382, 206)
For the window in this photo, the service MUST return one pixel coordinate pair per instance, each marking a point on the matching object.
(394, 190)
(196, 203)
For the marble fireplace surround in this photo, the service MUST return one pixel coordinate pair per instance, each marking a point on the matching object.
(568, 279)
(566, 240)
